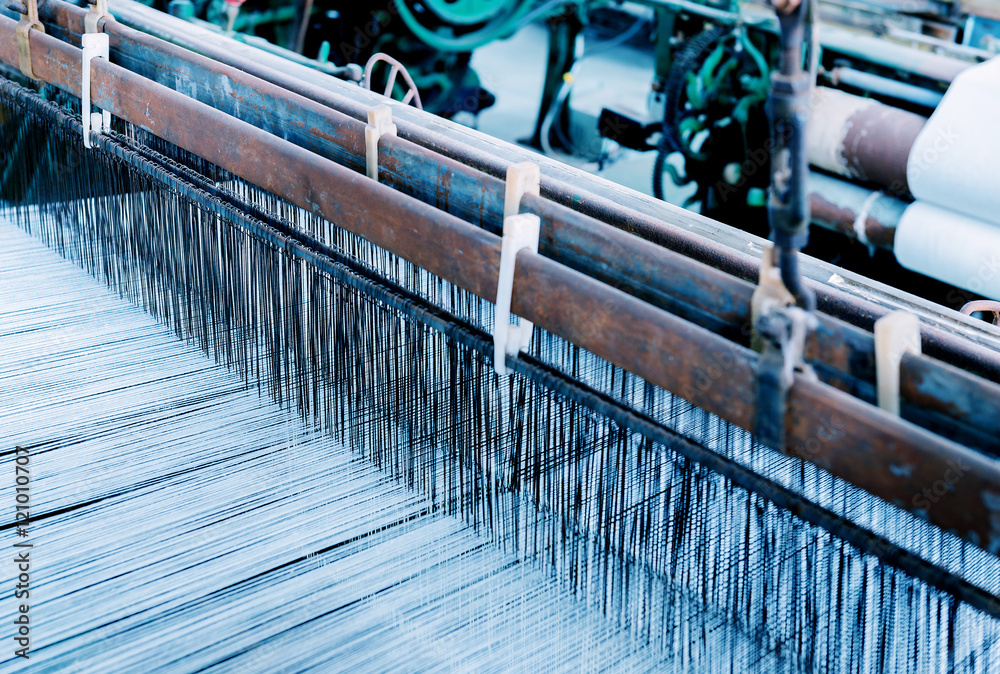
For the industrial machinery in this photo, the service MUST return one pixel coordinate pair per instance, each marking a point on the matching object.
(880, 69)
(368, 390)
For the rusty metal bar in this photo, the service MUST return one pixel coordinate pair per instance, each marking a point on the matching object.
(625, 211)
(843, 355)
(857, 212)
(882, 454)
(839, 138)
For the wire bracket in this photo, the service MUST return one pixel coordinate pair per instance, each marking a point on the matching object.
(780, 330)
(379, 124)
(769, 294)
(92, 19)
(520, 232)
(29, 21)
(412, 93)
(896, 334)
(95, 45)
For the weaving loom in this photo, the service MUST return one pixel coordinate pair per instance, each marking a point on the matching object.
(267, 432)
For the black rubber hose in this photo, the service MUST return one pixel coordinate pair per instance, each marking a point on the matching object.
(662, 152)
(788, 261)
(687, 60)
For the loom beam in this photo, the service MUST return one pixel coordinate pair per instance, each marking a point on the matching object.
(943, 399)
(467, 193)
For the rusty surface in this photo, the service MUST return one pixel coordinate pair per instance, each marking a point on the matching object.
(707, 369)
(842, 219)
(904, 465)
(937, 395)
(876, 145)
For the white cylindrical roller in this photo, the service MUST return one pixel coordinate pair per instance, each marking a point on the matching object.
(950, 247)
(953, 162)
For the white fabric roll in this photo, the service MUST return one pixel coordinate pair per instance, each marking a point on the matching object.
(955, 161)
(950, 247)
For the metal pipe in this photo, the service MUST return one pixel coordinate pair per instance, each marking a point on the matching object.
(839, 138)
(872, 49)
(860, 213)
(847, 437)
(719, 16)
(843, 355)
(886, 87)
(938, 43)
(277, 50)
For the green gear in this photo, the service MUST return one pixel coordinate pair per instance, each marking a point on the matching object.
(468, 12)
(501, 25)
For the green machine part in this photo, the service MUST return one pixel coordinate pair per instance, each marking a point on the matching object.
(468, 12)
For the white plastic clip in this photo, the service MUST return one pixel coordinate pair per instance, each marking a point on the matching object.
(520, 232)
(379, 124)
(895, 334)
(523, 178)
(95, 46)
(92, 19)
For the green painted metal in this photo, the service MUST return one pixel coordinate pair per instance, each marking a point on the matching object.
(468, 12)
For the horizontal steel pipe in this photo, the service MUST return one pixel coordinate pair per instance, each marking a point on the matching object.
(706, 369)
(854, 211)
(843, 355)
(876, 84)
(840, 135)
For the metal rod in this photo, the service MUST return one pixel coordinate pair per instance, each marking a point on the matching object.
(858, 212)
(880, 453)
(886, 87)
